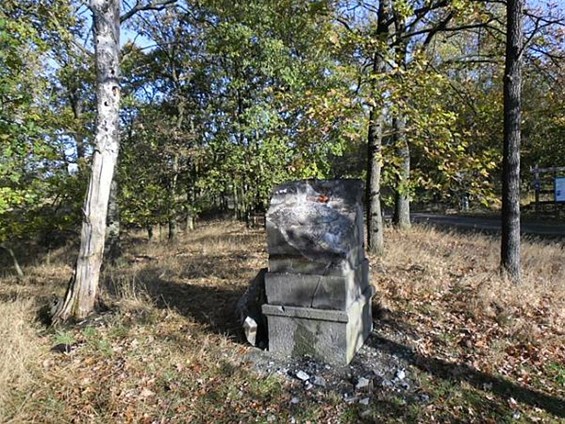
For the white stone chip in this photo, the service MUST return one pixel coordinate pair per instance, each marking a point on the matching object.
(362, 383)
(319, 381)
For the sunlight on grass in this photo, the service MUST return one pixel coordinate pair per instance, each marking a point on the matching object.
(20, 350)
(167, 348)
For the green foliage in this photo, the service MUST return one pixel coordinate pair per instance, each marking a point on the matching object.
(246, 103)
(224, 100)
(31, 164)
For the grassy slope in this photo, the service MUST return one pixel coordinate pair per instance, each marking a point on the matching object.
(169, 349)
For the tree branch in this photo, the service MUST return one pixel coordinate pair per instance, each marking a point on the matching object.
(153, 5)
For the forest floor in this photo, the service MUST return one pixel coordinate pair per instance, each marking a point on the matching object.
(452, 340)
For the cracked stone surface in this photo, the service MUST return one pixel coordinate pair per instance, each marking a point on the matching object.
(317, 287)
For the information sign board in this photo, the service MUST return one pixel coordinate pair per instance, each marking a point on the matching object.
(560, 189)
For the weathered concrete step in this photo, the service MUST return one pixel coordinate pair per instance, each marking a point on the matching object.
(332, 336)
(323, 265)
(317, 291)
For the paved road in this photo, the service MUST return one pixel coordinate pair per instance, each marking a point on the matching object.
(488, 224)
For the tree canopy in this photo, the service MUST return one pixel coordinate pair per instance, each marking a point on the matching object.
(221, 100)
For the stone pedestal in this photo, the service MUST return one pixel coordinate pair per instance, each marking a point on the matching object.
(317, 286)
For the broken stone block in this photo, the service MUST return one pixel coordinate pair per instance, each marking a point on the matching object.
(317, 291)
(315, 218)
(317, 287)
(250, 329)
(301, 375)
(321, 265)
(248, 308)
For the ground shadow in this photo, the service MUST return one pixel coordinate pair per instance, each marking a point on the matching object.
(233, 237)
(206, 290)
(478, 379)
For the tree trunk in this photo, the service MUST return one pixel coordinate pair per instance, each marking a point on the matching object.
(76, 106)
(402, 198)
(510, 243)
(235, 202)
(173, 213)
(19, 272)
(113, 248)
(173, 225)
(189, 224)
(83, 286)
(375, 222)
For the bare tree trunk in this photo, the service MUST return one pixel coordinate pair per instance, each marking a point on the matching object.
(173, 212)
(235, 202)
(402, 198)
(113, 248)
(173, 225)
(83, 286)
(76, 106)
(375, 222)
(189, 223)
(19, 272)
(510, 243)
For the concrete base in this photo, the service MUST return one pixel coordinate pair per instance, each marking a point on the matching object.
(331, 336)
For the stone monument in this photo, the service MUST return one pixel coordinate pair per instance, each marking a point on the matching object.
(317, 285)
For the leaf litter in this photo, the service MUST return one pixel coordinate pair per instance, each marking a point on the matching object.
(452, 341)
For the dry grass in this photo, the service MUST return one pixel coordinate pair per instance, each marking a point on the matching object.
(430, 262)
(446, 287)
(169, 349)
(20, 349)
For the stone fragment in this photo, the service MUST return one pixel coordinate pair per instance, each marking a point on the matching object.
(301, 375)
(350, 399)
(319, 381)
(250, 330)
(364, 401)
(400, 374)
(362, 383)
(251, 316)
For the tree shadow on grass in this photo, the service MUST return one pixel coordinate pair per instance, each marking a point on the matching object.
(457, 385)
(233, 237)
(457, 372)
(205, 290)
(212, 306)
